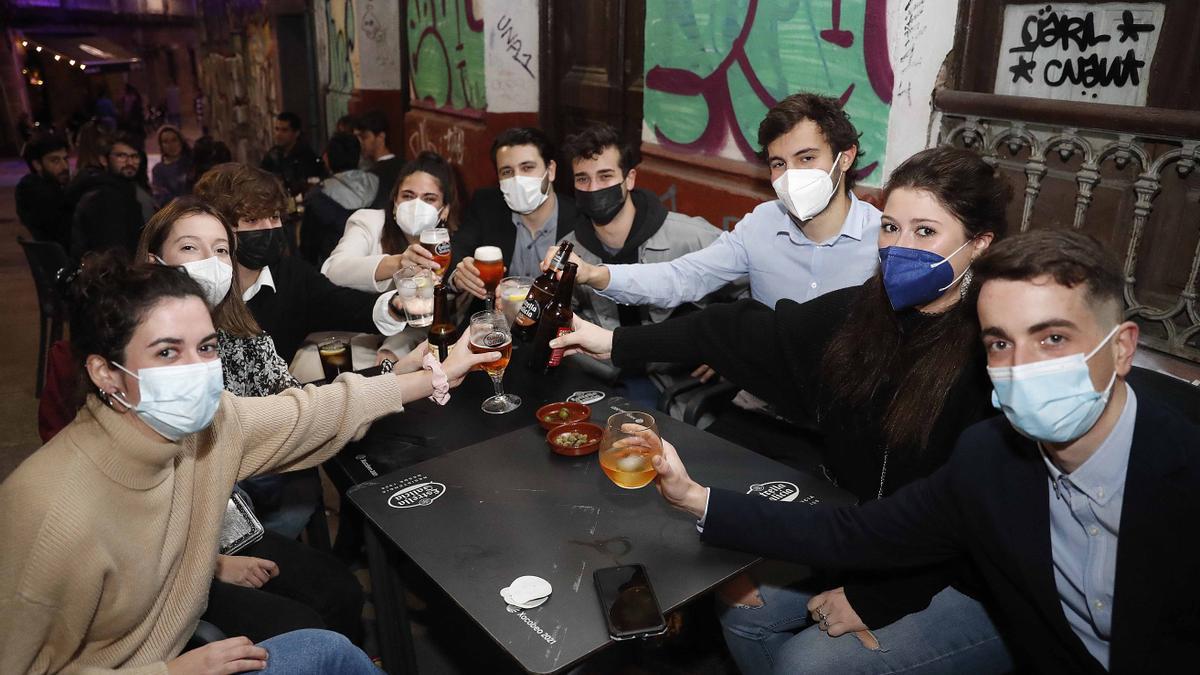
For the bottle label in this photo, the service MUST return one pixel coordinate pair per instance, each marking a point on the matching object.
(531, 310)
(556, 354)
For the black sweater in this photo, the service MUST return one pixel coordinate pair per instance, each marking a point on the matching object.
(776, 355)
(304, 301)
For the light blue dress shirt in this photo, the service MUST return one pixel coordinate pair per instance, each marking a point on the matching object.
(1085, 518)
(529, 248)
(766, 245)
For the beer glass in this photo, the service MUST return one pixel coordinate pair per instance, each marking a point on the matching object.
(415, 288)
(436, 240)
(490, 332)
(512, 292)
(335, 357)
(490, 263)
(630, 439)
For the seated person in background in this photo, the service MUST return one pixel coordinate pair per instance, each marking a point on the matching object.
(378, 242)
(170, 176)
(109, 539)
(290, 159)
(328, 205)
(893, 372)
(206, 154)
(288, 297)
(522, 217)
(1076, 509)
(371, 130)
(622, 224)
(41, 203)
(109, 214)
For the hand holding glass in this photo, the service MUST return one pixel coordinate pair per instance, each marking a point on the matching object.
(629, 442)
(415, 285)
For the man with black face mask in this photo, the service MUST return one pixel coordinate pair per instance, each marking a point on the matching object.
(40, 202)
(288, 297)
(623, 224)
(109, 214)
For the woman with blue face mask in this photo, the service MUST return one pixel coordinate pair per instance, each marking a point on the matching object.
(110, 534)
(889, 373)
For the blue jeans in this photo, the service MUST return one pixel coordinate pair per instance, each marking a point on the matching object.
(953, 635)
(314, 652)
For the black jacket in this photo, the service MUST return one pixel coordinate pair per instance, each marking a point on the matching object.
(488, 222)
(990, 503)
(387, 170)
(304, 302)
(322, 226)
(108, 214)
(295, 167)
(43, 209)
(777, 356)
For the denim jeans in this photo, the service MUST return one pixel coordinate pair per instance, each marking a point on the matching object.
(314, 652)
(953, 635)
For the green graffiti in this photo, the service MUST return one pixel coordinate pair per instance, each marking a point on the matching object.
(714, 67)
(445, 41)
(341, 71)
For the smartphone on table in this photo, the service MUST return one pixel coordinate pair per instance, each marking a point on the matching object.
(627, 598)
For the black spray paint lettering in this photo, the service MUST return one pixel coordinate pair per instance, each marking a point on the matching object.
(1094, 71)
(1049, 28)
(513, 43)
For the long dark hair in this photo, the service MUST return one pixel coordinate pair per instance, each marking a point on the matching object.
(392, 240)
(871, 349)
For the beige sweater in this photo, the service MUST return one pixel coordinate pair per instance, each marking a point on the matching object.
(108, 539)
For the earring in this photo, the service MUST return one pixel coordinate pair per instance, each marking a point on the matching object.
(117, 396)
(966, 284)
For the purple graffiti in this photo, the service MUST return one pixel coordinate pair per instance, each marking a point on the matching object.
(714, 87)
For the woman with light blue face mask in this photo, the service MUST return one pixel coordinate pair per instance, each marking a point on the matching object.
(889, 373)
(111, 529)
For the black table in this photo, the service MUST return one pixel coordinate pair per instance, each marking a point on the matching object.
(475, 519)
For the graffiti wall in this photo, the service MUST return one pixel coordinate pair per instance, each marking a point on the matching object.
(511, 55)
(341, 67)
(714, 67)
(446, 54)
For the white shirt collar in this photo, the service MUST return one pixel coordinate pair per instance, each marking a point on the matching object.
(264, 280)
(386, 157)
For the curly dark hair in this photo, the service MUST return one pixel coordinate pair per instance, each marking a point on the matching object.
(524, 136)
(589, 143)
(241, 192)
(108, 297)
(827, 113)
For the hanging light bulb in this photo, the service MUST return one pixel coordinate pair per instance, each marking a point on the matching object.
(58, 57)
(24, 43)
(72, 62)
(83, 66)
(39, 48)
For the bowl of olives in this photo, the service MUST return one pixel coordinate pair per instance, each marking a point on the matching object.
(554, 414)
(575, 439)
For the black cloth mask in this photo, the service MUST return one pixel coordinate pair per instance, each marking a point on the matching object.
(257, 249)
(602, 205)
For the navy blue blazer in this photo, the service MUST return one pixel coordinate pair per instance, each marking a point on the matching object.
(990, 503)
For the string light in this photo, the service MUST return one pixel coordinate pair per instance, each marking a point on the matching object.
(24, 43)
(83, 66)
(72, 61)
(39, 48)
(58, 57)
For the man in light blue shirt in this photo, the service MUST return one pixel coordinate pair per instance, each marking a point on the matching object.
(816, 238)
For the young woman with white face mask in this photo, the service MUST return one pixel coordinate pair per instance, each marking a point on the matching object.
(891, 372)
(111, 529)
(378, 243)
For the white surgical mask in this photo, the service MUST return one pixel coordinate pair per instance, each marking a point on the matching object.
(806, 192)
(214, 276)
(177, 400)
(523, 194)
(415, 216)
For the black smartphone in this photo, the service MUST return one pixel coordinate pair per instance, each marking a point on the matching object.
(630, 606)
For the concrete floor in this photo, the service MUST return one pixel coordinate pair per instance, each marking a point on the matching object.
(18, 332)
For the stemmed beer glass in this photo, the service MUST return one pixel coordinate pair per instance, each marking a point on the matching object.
(490, 332)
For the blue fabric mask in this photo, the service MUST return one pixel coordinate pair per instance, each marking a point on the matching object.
(913, 276)
(1051, 401)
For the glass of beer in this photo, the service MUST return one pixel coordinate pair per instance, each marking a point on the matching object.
(490, 263)
(437, 241)
(490, 332)
(415, 285)
(630, 439)
(512, 292)
(335, 357)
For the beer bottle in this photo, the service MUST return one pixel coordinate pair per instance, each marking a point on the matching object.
(441, 331)
(556, 321)
(540, 294)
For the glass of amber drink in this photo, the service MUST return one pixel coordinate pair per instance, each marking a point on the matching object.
(490, 333)
(630, 440)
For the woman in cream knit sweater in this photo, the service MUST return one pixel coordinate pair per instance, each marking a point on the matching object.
(109, 536)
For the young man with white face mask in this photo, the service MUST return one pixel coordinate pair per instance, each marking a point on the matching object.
(1076, 507)
(815, 238)
(523, 216)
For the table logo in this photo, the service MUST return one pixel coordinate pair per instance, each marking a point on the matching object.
(414, 491)
(776, 491)
(586, 397)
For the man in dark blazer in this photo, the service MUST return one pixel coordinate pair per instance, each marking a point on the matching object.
(1037, 499)
(523, 216)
